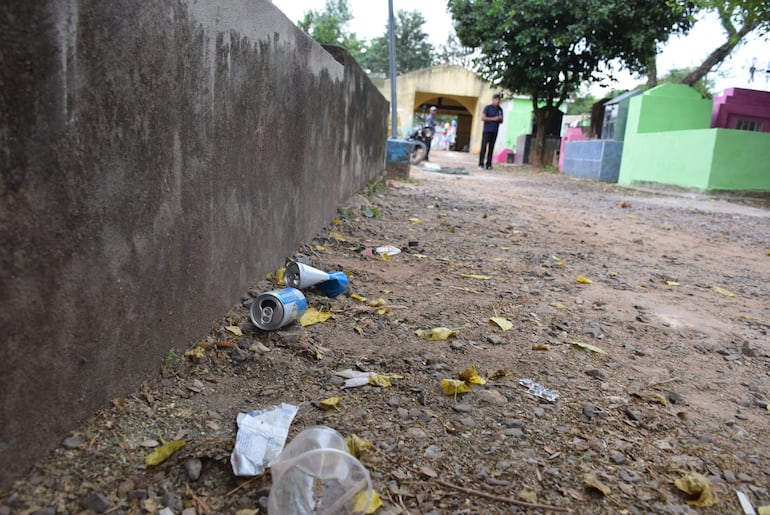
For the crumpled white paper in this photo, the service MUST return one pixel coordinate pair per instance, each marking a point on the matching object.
(260, 439)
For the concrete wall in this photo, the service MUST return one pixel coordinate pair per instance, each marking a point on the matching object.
(518, 121)
(150, 173)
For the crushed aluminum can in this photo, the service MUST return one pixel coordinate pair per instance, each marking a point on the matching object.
(274, 309)
(538, 390)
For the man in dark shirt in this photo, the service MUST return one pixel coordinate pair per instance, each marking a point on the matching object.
(492, 117)
(430, 122)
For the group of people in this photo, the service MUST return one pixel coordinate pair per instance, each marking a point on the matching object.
(492, 116)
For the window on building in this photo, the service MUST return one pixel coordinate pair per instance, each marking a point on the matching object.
(749, 125)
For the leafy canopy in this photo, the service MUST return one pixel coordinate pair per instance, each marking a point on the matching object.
(330, 27)
(413, 51)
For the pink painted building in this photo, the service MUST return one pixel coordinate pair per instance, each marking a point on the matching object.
(742, 109)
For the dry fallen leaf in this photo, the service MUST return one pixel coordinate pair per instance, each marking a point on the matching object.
(380, 380)
(455, 386)
(313, 316)
(337, 236)
(726, 293)
(425, 470)
(591, 481)
(360, 502)
(358, 297)
(376, 303)
(528, 496)
(337, 222)
(499, 373)
(437, 333)
(558, 305)
(471, 376)
(695, 484)
(331, 403)
(235, 330)
(764, 510)
(672, 283)
(502, 323)
(163, 453)
(280, 276)
(196, 352)
(357, 445)
(475, 276)
(415, 221)
(540, 346)
(588, 346)
(584, 280)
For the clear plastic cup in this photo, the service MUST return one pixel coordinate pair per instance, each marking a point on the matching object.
(315, 475)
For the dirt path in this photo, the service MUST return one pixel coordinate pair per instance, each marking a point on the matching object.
(678, 301)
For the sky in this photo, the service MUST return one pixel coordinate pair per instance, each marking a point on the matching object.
(371, 17)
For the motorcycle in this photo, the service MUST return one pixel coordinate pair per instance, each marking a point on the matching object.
(420, 139)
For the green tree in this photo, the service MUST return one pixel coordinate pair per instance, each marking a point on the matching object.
(413, 51)
(739, 18)
(330, 27)
(453, 52)
(547, 48)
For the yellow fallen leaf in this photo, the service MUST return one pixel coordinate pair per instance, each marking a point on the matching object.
(359, 502)
(632, 216)
(455, 386)
(528, 496)
(377, 302)
(437, 333)
(357, 445)
(475, 276)
(358, 297)
(380, 380)
(420, 256)
(558, 305)
(695, 484)
(502, 323)
(235, 330)
(196, 352)
(337, 236)
(383, 311)
(505, 248)
(359, 330)
(672, 283)
(415, 221)
(471, 376)
(726, 293)
(588, 346)
(560, 264)
(316, 246)
(452, 229)
(764, 510)
(583, 280)
(337, 222)
(163, 453)
(279, 276)
(385, 256)
(591, 481)
(331, 403)
(499, 373)
(540, 346)
(313, 316)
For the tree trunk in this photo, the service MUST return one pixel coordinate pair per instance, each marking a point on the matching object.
(537, 154)
(652, 72)
(718, 55)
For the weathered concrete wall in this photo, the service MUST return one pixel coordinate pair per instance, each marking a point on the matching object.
(150, 172)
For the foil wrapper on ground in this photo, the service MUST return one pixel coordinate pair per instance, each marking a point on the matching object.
(538, 390)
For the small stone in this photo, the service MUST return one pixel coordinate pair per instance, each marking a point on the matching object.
(189, 511)
(493, 397)
(513, 431)
(462, 408)
(630, 477)
(495, 340)
(173, 502)
(467, 422)
(263, 503)
(416, 432)
(95, 501)
(729, 476)
(538, 412)
(674, 398)
(166, 511)
(618, 457)
(432, 452)
(73, 442)
(633, 415)
(193, 468)
(513, 422)
(745, 477)
(589, 410)
(125, 487)
(595, 372)
(394, 402)
(138, 495)
(403, 413)
(456, 345)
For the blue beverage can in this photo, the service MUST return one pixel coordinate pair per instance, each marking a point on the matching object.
(277, 308)
(335, 286)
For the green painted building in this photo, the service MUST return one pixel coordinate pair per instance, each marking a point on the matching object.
(518, 121)
(669, 141)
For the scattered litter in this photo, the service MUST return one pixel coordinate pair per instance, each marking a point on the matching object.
(356, 378)
(538, 390)
(331, 403)
(387, 250)
(260, 439)
(317, 474)
(748, 509)
(437, 333)
(584, 280)
(502, 323)
(672, 283)
(301, 276)
(275, 309)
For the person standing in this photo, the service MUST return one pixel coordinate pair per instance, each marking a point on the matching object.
(492, 116)
(430, 122)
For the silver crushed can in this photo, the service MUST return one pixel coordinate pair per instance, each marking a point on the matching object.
(277, 308)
